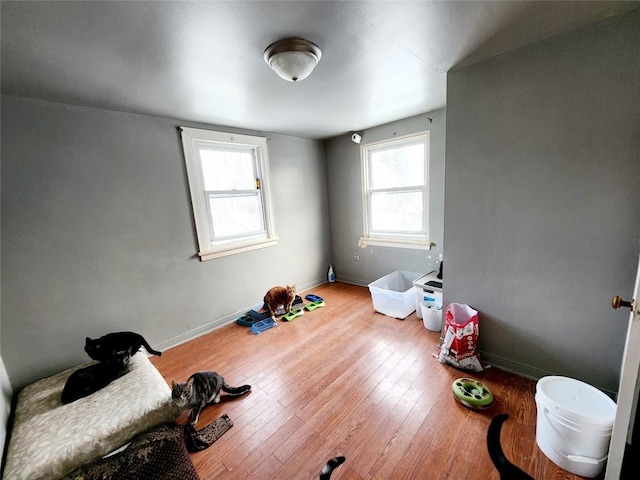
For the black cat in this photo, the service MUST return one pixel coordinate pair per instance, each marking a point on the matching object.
(88, 380)
(331, 465)
(507, 470)
(114, 346)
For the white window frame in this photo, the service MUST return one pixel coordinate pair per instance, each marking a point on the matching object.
(419, 241)
(192, 140)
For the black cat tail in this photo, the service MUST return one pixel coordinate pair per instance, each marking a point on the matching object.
(331, 465)
(235, 391)
(507, 470)
(493, 439)
(149, 349)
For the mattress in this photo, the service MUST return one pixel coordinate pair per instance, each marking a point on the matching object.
(50, 439)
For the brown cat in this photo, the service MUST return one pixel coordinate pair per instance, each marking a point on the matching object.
(277, 296)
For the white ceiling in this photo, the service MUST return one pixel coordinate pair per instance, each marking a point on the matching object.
(202, 61)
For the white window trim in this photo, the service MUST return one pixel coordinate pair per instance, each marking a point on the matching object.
(390, 240)
(190, 138)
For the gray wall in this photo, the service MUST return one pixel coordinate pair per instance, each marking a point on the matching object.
(97, 234)
(345, 203)
(542, 222)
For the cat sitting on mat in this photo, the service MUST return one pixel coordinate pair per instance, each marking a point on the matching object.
(277, 296)
(114, 346)
(507, 470)
(85, 381)
(200, 390)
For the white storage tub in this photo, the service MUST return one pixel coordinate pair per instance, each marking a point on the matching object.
(393, 294)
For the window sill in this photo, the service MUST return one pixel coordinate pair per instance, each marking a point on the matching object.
(233, 249)
(365, 242)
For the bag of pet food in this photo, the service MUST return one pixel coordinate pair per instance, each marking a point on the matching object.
(459, 342)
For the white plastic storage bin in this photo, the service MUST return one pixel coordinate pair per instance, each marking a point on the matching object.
(393, 295)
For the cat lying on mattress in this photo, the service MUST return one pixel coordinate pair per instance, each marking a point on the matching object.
(114, 352)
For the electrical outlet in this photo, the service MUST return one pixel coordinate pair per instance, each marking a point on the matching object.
(356, 257)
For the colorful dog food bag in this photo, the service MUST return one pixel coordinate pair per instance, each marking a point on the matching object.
(459, 342)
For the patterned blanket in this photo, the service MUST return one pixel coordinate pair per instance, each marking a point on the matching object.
(159, 454)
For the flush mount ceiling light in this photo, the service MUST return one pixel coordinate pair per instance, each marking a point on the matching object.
(292, 58)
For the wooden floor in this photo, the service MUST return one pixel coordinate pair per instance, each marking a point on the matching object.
(345, 380)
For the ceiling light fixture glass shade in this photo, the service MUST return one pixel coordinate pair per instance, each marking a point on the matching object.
(292, 58)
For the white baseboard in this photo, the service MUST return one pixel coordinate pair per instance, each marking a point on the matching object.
(220, 322)
(352, 281)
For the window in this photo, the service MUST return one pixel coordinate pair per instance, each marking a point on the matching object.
(395, 187)
(229, 184)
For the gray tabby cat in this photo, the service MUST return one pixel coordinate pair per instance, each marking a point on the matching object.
(200, 390)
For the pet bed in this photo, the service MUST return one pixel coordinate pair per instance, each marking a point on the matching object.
(50, 439)
(160, 453)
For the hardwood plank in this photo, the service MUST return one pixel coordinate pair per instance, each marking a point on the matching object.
(264, 451)
(345, 380)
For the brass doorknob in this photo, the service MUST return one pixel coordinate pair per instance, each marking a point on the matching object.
(618, 301)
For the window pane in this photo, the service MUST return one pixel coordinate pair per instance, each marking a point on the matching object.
(397, 167)
(227, 170)
(236, 215)
(396, 212)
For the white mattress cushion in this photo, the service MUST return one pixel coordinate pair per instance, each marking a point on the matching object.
(50, 439)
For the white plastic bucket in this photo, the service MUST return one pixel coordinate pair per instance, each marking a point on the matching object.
(431, 315)
(574, 424)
